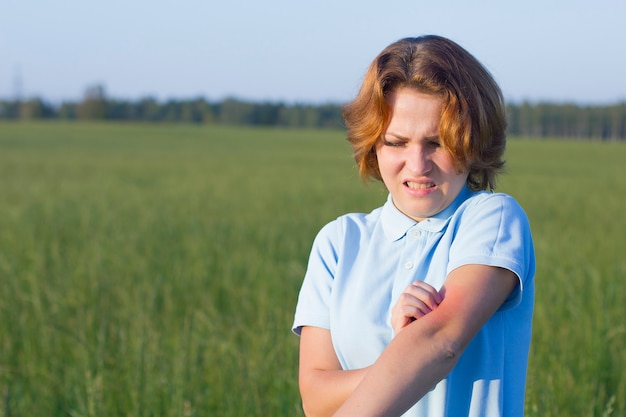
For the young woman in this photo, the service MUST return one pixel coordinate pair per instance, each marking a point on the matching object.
(422, 307)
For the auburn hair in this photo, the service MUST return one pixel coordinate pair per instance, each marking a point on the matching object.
(472, 127)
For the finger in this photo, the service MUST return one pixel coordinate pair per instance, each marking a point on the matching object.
(425, 293)
(409, 314)
(437, 297)
(408, 305)
(405, 316)
(415, 313)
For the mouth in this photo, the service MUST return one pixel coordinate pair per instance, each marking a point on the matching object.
(419, 185)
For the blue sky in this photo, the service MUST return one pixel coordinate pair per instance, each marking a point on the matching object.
(301, 51)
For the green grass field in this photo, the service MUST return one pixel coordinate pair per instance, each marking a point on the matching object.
(152, 270)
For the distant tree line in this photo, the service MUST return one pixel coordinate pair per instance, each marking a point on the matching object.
(533, 120)
(96, 106)
(568, 121)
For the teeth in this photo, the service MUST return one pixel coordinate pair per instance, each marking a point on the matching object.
(419, 186)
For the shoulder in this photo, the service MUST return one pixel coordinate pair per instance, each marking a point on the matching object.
(349, 226)
(492, 229)
(493, 216)
(483, 206)
(499, 201)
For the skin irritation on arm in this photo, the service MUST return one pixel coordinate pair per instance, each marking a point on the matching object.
(471, 295)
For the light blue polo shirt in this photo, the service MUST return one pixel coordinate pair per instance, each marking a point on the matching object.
(361, 263)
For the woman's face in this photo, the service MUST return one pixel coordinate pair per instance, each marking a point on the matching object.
(416, 169)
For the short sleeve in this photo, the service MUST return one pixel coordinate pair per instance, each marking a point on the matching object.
(313, 304)
(494, 231)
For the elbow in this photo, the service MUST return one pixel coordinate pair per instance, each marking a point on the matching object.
(307, 410)
(445, 345)
(306, 403)
(449, 350)
(316, 407)
(310, 410)
(310, 407)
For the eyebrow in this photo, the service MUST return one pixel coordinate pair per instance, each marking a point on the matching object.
(402, 137)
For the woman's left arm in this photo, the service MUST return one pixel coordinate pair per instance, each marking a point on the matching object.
(400, 377)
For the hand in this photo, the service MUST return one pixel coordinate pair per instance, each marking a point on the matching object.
(417, 300)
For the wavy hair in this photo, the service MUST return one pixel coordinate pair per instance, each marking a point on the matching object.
(472, 127)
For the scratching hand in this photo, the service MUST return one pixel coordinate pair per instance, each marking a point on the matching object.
(417, 300)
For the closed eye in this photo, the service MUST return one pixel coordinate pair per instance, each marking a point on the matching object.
(393, 143)
(433, 141)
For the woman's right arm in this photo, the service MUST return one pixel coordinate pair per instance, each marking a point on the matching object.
(324, 385)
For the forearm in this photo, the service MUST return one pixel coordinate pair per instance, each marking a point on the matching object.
(324, 391)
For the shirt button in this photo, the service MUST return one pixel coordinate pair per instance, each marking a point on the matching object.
(408, 265)
(416, 233)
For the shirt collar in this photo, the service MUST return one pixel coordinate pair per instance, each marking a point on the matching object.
(396, 224)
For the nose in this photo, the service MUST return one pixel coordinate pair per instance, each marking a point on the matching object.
(418, 160)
